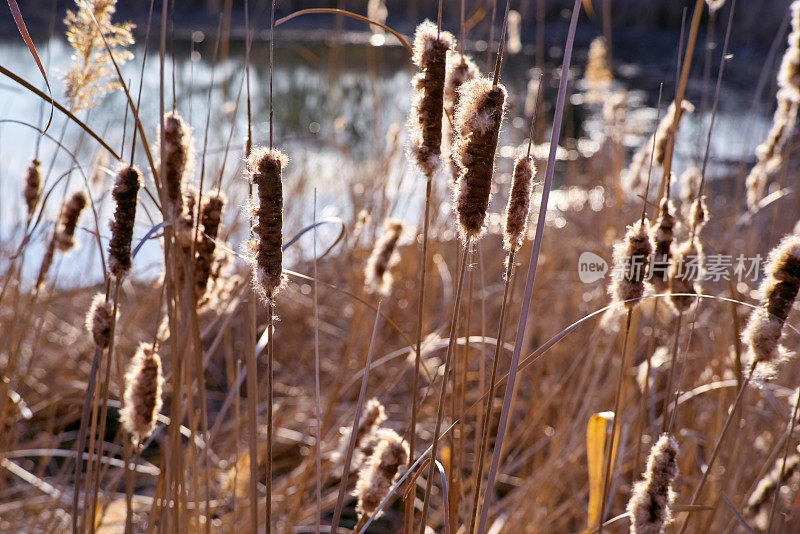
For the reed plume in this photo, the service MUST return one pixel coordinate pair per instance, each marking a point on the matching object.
(177, 154)
(519, 203)
(377, 277)
(142, 400)
(478, 120)
(777, 295)
(87, 80)
(210, 219)
(99, 321)
(685, 273)
(662, 239)
(264, 168)
(652, 497)
(33, 186)
(65, 235)
(125, 192)
(631, 257)
(380, 471)
(425, 118)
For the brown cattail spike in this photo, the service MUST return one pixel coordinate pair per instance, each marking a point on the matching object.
(99, 321)
(425, 118)
(631, 258)
(478, 120)
(684, 274)
(766, 488)
(65, 235)
(210, 218)
(460, 69)
(667, 129)
(372, 416)
(33, 186)
(789, 74)
(380, 471)
(664, 234)
(778, 292)
(177, 156)
(264, 168)
(384, 255)
(652, 497)
(142, 400)
(519, 203)
(125, 192)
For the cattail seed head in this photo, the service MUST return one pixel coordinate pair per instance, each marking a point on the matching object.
(264, 168)
(766, 488)
(210, 219)
(789, 74)
(99, 320)
(177, 157)
(519, 203)
(65, 235)
(631, 257)
(379, 472)
(384, 255)
(699, 214)
(667, 129)
(425, 117)
(47, 261)
(778, 292)
(125, 192)
(372, 415)
(715, 5)
(478, 120)
(684, 273)
(460, 69)
(33, 186)
(662, 239)
(142, 400)
(652, 497)
(598, 74)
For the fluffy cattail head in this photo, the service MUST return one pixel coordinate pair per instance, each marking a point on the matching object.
(684, 273)
(65, 235)
(715, 5)
(789, 74)
(699, 214)
(264, 168)
(384, 255)
(667, 129)
(125, 191)
(662, 239)
(142, 400)
(99, 321)
(210, 219)
(519, 203)
(372, 416)
(631, 257)
(597, 72)
(177, 156)
(33, 186)
(766, 488)
(380, 471)
(652, 497)
(778, 292)
(425, 118)
(460, 69)
(478, 120)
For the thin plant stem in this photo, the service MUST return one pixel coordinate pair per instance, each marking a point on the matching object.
(445, 379)
(792, 421)
(317, 411)
(670, 380)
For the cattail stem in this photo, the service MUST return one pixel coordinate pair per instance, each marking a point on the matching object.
(792, 421)
(252, 409)
(673, 365)
(423, 266)
(484, 425)
(718, 444)
(443, 391)
(270, 421)
(607, 464)
(81, 441)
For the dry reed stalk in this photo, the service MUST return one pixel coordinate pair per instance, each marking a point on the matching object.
(264, 168)
(651, 498)
(33, 186)
(125, 191)
(377, 277)
(425, 118)
(784, 464)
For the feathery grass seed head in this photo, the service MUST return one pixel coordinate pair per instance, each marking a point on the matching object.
(142, 400)
(125, 192)
(478, 120)
(652, 497)
(519, 203)
(264, 168)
